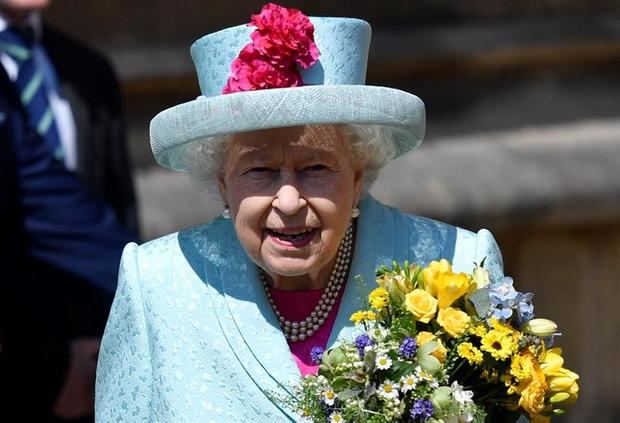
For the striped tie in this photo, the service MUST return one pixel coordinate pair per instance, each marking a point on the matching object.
(31, 87)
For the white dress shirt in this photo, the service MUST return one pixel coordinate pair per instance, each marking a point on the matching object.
(60, 107)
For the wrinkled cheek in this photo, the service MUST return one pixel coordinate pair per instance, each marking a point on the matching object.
(250, 238)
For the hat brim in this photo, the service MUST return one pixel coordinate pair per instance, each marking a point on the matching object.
(174, 129)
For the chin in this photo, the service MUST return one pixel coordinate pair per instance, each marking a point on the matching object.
(289, 267)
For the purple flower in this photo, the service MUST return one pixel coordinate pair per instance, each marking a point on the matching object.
(362, 342)
(408, 347)
(316, 355)
(422, 410)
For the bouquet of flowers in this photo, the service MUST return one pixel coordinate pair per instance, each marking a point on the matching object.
(438, 346)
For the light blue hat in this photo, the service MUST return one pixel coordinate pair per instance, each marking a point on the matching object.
(333, 93)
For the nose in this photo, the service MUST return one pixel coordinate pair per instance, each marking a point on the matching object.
(289, 200)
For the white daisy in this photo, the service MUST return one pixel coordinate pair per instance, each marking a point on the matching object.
(329, 396)
(388, 389)
(408, 383)
(336, 418)
(383, 362)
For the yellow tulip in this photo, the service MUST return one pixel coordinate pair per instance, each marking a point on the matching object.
(551, 360)
(481, 277)
(561, 383)
(540, 327)
(560, 397)
(432, 272)
(450, 287)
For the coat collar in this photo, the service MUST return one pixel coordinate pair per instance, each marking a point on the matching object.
(243, 310)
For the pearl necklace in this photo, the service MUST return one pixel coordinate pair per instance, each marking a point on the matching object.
(299, 331)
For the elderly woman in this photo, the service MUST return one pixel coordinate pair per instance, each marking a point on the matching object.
(210, 323)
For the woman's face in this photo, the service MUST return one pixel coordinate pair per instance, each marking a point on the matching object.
(290, 192)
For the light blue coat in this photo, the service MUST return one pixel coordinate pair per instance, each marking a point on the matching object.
(192, 338)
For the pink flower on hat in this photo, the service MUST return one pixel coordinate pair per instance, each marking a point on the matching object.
(283, 40)
(250, 71)
(285, 34)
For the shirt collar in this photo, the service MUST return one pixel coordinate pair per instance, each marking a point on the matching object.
(33, 20)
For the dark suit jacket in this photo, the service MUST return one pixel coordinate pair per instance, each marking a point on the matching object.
(41, 307)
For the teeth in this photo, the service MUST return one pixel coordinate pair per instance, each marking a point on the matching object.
(305, 231)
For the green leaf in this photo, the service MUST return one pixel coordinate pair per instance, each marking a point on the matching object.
(427, 348)
(429, 364)
(424, 358)
(403, 326)
(348, 394)
(481, 301)
(401, 369)
(339, 383)
(325, 370)
(356, 376)
(369, 362)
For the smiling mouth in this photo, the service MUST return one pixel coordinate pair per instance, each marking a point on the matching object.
(292, 237)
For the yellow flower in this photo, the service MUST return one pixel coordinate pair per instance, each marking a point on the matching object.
(440, 352)
(470, 353)
(396, 284)
(540, 327)
(480, 276)
(432, 271)
(533, 397)
(562, 382)
(453, 320)
(506, 329)
(421, 304)
(551, 360)
(363, 316)
(522, 366)
(451, 286)
(379, 298)
(499, 344)
(479, 330)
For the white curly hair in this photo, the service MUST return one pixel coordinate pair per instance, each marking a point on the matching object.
(371, 146)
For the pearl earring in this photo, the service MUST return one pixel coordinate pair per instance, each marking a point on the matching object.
(226, 213)
(355, 212)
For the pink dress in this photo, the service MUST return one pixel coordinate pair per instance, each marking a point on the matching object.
(296, 306)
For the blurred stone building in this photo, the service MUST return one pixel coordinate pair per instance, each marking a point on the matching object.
(523, 106)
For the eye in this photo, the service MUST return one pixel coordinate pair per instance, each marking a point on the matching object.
(315, 167)
(259, 169)
(260, 172)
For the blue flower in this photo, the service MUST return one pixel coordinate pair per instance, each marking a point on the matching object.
(408, 347)
(503, 293)
(362, 342)
(525, 308)
(316, 355)
(505, 300)
(422, 410)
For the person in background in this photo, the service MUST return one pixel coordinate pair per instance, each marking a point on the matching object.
(68, 208)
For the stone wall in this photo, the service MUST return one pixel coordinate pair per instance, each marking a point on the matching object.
(164, 21)
(574, 272)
